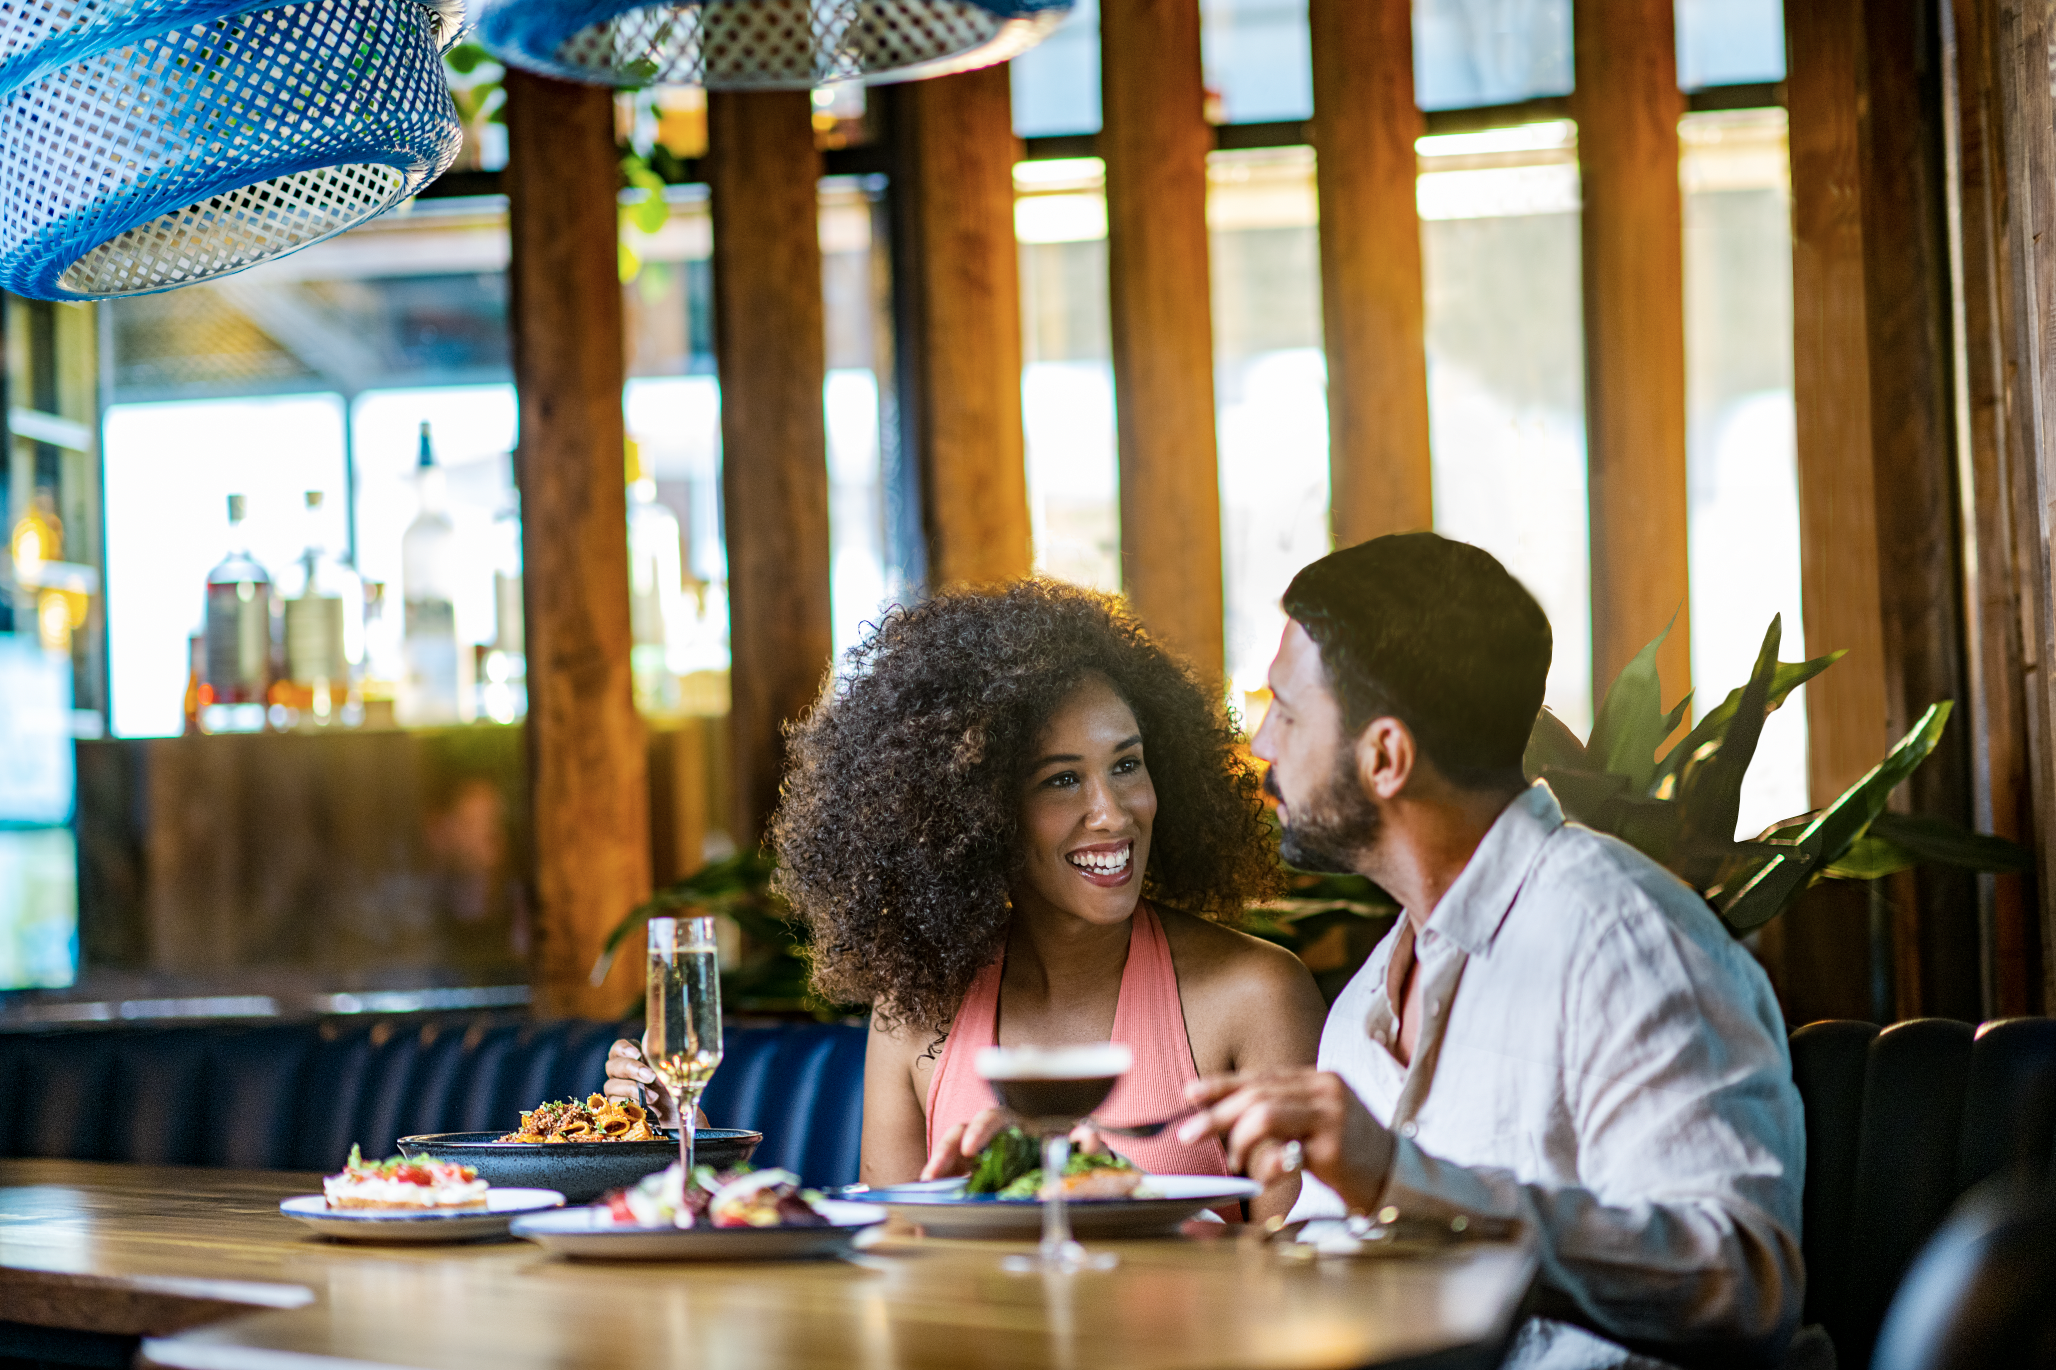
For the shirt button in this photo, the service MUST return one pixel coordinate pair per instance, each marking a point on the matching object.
(1409, 1128)
(1434, 1006)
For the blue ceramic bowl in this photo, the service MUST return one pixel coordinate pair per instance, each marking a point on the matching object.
(580, 1171)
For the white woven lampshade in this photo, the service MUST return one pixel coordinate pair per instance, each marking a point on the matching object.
(761, 44)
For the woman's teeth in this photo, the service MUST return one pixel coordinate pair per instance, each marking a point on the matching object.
(1102, 862)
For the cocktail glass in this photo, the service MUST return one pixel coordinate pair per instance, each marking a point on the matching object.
(1051, 1090)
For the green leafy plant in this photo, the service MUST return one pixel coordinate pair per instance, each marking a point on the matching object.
(773, 974)
(1681, 808)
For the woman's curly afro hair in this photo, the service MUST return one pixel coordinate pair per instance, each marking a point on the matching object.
(897, 828)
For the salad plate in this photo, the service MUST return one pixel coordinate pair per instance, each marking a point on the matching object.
(503, 1207)
(945, 1210)
(595, 1234)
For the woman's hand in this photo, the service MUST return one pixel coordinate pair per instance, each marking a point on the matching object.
(629, 1078)
(958, 1150)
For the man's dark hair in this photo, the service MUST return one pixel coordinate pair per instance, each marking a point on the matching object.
(1437, 634)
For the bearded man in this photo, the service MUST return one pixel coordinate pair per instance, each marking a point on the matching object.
(1557, 1031)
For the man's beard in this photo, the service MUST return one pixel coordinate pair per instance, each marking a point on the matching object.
(1330, 831)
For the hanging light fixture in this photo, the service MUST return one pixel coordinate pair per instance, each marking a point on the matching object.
(761, 44)
(153, 144)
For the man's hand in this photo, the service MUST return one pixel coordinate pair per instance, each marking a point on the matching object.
(1342, 1145)
(629, 1078)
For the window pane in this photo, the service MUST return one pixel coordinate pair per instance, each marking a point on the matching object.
(1730, 42)
(1490, 52)
(1056, 83)
(1506, 371)
(170, 469)
(1744, 481)
(1067, 384)
(1258, 69)
(1270, 387)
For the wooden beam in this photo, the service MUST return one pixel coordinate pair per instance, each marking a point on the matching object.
(1990, 446)
(1846, 714)
(959, 271)
(1627, 106)
(2025, 31)
(1920, 569)
(771, 353)
(1154, 138)
(587, 766)
(1372, 310)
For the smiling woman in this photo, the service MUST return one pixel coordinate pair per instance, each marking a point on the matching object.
(1019, 821)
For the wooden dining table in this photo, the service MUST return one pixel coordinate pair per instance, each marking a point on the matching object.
(201, 1268)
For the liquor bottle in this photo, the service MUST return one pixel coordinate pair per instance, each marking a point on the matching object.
(384, 661)
(238, 632)
(503, 664)
(430, 688)
(324, 620)
(657, 614)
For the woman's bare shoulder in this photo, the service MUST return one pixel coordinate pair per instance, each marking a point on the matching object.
(1217, 959)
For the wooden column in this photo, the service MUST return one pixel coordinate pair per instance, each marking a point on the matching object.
(1372, 310)
(1920, 583)
(959, 270)
(587, 768)
(1627, 107)
(2025, 31)
(1990, 447)
(1155, 140)
(771, 353)
(1846, 714)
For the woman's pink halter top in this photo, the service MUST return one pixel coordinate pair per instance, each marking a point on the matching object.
(1149, 1017)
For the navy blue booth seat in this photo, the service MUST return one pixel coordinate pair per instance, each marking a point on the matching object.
(295, 1096)
(1900, 1123)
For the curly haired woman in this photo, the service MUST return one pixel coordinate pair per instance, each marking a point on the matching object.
(1016, 820)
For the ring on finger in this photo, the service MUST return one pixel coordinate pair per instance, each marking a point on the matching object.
(1292, 1156)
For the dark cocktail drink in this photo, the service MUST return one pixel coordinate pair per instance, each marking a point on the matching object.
(1051, 1090)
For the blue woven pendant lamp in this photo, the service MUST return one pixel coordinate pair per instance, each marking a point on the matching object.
(760, 44)
(153, 144)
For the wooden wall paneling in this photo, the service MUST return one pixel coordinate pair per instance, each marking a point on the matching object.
(1995, 662)
(1920, 567)
(1373, 314)
(1627, 106)
(771, 354)
(1154, 139)
(2026, 29)
(1846, 713)
(587, 763)
(680, 813)
(959, 275)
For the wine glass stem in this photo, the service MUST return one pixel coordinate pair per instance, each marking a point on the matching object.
(1056, 1221)
(688, 1129)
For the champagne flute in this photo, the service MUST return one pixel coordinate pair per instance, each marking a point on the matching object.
(682, 1016)
(1051, 1090)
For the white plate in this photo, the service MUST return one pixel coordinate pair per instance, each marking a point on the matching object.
(502, 1206)
(944, 1210)
(592, 1232)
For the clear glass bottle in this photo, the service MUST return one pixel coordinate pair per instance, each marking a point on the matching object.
(503, 666)
(657, 613)
(324, 623)
(238, 632)
(430, 689)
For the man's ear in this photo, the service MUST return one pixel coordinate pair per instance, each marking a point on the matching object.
(1385, 757)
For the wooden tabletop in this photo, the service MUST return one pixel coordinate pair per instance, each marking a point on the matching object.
(201, 1264)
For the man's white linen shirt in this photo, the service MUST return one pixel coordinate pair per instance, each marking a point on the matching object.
(1613, 1071)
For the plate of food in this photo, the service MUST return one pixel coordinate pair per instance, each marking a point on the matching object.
(1105, 1195)
(408, 1200)
(737, 1214)
(582, 1150)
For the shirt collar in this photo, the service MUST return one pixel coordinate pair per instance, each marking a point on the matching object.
(1474, 907)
